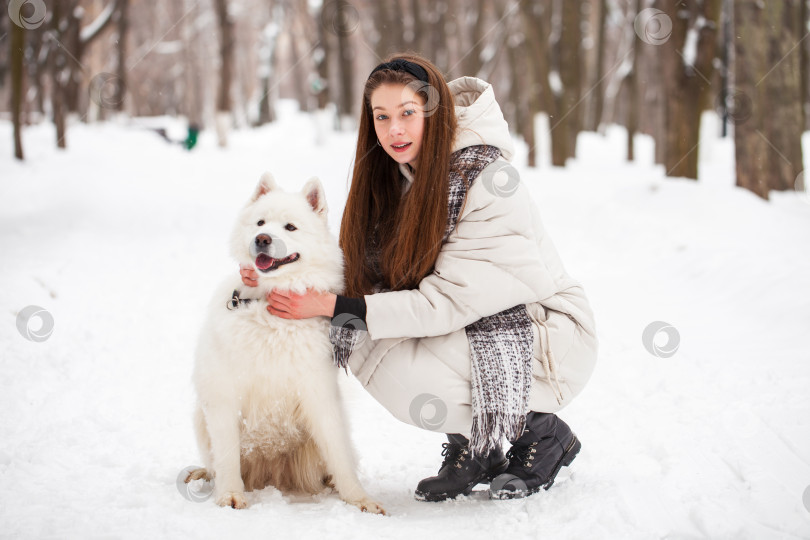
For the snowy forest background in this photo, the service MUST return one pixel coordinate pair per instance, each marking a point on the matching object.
(663, 142)
(652, 67)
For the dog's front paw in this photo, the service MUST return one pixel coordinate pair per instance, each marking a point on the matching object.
(367, 505)
(232, 499)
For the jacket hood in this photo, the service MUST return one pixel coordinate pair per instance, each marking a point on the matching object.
(480, 120)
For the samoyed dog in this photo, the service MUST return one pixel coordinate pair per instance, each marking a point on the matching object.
(268, 407)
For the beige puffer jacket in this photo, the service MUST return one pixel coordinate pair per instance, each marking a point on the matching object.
(415, 358)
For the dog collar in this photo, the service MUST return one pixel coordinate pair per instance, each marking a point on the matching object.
(234, 301)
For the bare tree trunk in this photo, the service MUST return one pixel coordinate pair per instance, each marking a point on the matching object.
(267, 61)
(193, 97)
(725, 64)
(5, 62)
(536, 22)
(66, 43)
(632, 94)
(768, 144)
(123, 30)
(570, 68)
(804, 62)
(397, 24)
(438, 35)
(680, 137)
(562, 96)
(472, 61)
(59, 72)
(519, 116)
(71, 44)
(267, 112)
(76, 39)
(322, 56)
(346, 64)
(687, 81)
(36, 71)
(300, 88)
(319, 82)
(418, 38)
(225, 70)
(516, 109)
(382, 23)
(599, 87)
(16, 53)
(388, 18)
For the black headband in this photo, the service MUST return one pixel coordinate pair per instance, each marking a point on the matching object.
(400, 64)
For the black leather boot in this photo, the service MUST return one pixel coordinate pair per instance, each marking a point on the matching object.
(459, 472)
(546, 445)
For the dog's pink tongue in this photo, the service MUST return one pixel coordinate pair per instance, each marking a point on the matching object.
(264, 261)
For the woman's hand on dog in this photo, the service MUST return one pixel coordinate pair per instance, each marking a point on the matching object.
(288, 305)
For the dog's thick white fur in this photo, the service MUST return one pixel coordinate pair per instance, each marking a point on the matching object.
(269, 409)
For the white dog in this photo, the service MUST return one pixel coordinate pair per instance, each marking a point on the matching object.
(269, 410)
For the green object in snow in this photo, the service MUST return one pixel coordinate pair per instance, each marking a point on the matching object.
(191, 140)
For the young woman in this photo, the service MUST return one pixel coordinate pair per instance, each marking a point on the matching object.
(468, 315)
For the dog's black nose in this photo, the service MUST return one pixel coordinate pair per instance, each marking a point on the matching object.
(263, 240)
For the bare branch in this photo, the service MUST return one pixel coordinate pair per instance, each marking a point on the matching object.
(95, 28)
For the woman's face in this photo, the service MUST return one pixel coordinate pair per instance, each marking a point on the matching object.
(399, 120)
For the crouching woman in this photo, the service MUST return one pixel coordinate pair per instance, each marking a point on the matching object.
(456, 298)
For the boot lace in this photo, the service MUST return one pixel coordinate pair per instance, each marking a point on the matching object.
(522, 454)
(453, 454)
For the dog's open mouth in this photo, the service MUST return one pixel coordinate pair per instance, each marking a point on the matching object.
(266, 263)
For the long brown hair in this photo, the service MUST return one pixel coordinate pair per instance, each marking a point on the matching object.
(408, 229)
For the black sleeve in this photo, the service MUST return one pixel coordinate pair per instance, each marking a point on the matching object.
(350, 308)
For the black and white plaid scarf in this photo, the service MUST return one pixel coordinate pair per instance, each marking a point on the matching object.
(500, 344)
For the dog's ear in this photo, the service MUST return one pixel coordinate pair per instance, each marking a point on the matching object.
(266, 184)
(313, 191)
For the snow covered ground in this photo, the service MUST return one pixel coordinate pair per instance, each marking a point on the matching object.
(122, 238)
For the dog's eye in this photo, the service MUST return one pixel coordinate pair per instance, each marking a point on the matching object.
(290, 227)
(260, 223)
